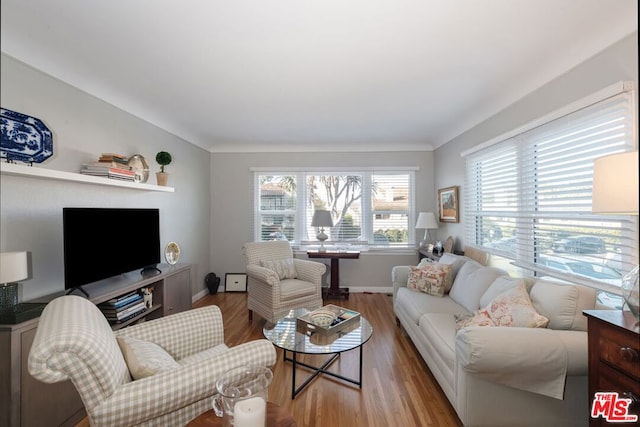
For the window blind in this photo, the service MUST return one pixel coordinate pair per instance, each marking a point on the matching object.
(528, 197)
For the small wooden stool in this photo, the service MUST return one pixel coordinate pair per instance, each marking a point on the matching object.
(276, 417)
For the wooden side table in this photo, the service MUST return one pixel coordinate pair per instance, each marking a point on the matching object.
(276, 417)
(614, 358)
(335, 291)
(424, 253)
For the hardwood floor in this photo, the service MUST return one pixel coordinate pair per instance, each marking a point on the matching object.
(398, 388)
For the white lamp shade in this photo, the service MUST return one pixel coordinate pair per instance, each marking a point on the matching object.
(13, 267)
(322, 218)
(615, 184)
(427, 221)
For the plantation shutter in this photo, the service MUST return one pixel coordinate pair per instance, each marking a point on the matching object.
(528, 197)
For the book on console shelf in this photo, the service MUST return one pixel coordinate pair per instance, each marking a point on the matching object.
(120, 309)
(133, 310)
(125, 318)
(122, 300)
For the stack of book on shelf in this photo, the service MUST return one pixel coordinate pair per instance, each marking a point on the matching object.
(110, 165)
(123, 308)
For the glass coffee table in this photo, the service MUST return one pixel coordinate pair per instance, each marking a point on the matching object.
(283, 335)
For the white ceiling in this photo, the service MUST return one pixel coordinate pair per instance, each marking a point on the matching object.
(303, 75)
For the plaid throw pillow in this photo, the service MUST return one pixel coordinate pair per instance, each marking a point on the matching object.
(285, 268)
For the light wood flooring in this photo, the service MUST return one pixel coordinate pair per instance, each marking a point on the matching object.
(398, 388)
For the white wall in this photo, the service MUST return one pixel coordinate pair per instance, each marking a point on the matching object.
(619, 62)
(83, 127)
(232, 211)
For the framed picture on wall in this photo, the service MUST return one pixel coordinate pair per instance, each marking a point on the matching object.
(448, 205)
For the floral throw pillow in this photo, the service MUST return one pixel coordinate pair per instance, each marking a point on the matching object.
(285, 268)
(514, 308)
(473, 320)
(433, 279)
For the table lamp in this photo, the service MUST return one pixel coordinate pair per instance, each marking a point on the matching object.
(426, 220)
(615, 191)
(322, 219)
(13, 268)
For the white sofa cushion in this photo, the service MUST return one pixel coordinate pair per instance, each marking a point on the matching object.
(471, 282)
(415, 304)
(531, 359)
(455, 261)
(563, 304)
(440, 330)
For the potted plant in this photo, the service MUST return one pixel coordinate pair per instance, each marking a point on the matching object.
(163, 158)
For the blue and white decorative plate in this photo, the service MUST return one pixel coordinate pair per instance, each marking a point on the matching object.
(24, 138)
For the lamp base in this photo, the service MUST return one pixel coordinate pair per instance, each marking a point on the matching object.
(322, 237)
(8, 296)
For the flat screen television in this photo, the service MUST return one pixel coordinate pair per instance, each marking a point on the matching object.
(104, 242)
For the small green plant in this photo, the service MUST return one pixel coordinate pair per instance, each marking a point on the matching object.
(163, 158)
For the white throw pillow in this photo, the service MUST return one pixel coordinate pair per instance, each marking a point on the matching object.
(145, 358)
(563, 304)
(471, 282)
(285, 268)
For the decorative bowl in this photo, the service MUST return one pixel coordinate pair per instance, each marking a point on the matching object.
(322, 318)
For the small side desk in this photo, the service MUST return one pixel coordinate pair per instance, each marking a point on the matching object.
(335, 291)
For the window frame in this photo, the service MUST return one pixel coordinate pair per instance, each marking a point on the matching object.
(523, 144)
(366, 202)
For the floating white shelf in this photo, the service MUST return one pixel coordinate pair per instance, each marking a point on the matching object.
(36, 172)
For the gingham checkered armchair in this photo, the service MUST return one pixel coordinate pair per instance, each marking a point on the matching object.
(75, 341)
(277, 282)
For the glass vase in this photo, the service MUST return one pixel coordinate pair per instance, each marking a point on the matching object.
(631, 293)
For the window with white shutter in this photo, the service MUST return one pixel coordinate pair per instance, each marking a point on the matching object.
(528, 196)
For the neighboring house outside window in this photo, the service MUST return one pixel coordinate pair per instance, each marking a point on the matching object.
(527, 195)
(372, 208)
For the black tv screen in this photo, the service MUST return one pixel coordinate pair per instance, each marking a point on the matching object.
(105, 242)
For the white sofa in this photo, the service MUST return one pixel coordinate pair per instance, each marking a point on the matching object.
(501, 376)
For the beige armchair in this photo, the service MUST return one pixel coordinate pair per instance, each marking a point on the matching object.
(180, 357)
(277, 282)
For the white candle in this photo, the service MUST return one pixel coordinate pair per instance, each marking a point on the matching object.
(250, 412)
